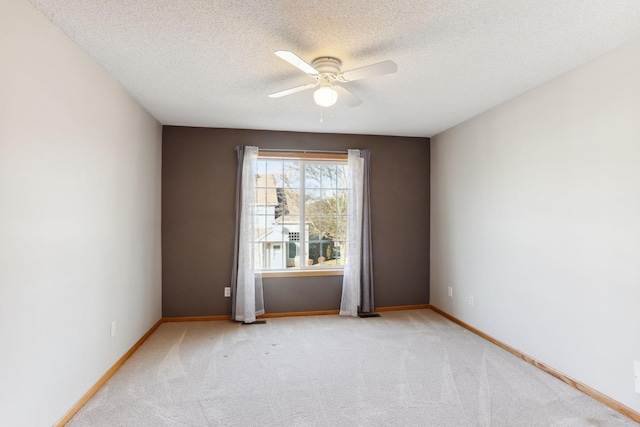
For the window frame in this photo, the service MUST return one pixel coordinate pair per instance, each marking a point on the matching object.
(307, 157)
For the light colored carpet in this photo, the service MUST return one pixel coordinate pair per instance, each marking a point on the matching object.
(406, 368)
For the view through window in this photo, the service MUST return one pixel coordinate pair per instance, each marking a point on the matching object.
(301, 213)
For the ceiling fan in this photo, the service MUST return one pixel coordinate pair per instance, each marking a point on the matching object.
(328, 78)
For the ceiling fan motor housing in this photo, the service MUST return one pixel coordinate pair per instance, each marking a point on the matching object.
(327, 66)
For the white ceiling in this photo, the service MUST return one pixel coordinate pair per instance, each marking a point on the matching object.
(210, 63)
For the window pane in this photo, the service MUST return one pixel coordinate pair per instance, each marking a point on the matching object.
(321, 227)
(291, 230)
(341, 200)
(276, 255)
(341, 228)
(262, 235)
(260, 167)
(329, 201)
(261, 222)
(261, 197)
(292, 253)
(321, 248)
(291, 201)
(329, 230)
(328, 176)
(274, 169)
(314, 241)
(338, 252)
(313, 202)
(314, 222)
(291, 174)
(292, 239)
(327, 249)
(291, 224)
(312, 175)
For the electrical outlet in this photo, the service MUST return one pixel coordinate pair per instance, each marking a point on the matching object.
(472, 300)
(450, 290)
(636, 368)
(227, 292)
(113, 329)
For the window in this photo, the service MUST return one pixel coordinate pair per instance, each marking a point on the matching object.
(301, 212)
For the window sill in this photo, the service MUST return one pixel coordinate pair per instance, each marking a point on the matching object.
(302, 273)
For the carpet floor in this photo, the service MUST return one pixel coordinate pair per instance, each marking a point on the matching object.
(406, 368)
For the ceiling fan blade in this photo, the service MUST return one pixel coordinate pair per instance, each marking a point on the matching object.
(350, 99)
(296, 61)
(292, 90)
(378, 69)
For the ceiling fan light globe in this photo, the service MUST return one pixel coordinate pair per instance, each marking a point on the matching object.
(325, 96)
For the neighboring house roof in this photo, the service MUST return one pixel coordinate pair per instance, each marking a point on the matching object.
(266, 193)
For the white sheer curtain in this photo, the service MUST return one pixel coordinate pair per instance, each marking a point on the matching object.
(353, 261)
(247, 294)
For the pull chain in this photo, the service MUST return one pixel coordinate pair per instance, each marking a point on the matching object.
(322, 115)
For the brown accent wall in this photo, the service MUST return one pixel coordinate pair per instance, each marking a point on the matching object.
(198, 198)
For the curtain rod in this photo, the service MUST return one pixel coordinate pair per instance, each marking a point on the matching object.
(292, 150)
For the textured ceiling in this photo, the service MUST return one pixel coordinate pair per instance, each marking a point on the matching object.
(211, 63)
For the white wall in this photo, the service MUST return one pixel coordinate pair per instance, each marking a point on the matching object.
(536, 212)
(79, 220)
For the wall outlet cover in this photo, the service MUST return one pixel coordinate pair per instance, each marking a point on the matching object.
(450, 291)
(227, 291)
